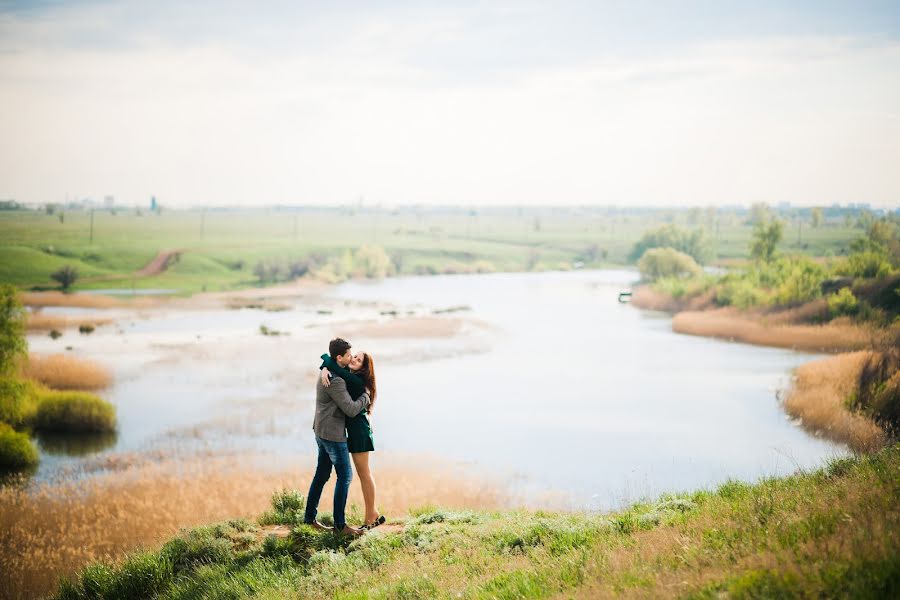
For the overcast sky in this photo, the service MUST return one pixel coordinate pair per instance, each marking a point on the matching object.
(462, 102)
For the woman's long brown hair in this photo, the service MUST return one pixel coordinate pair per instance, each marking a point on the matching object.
(367, 374)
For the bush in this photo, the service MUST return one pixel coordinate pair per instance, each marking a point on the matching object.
(16, 450)
(842, 303)
(802, 281)
(865, 264)
(742, 293)
(666, 262)
(373, 262)
(74, 412)
(682, 287)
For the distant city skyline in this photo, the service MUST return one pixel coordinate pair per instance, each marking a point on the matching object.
(470, 103)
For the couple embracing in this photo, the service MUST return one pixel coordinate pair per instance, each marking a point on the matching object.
(345, 396)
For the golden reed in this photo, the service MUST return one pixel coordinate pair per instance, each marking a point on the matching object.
(63, 372)
(818, 397)
(53, 530)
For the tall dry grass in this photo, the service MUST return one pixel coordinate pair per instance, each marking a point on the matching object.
(38, 321)
(55, 530)
(40, 299)
(818, 397)
(63, 372)
(728, 324)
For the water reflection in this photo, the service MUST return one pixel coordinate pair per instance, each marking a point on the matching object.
(82, 444)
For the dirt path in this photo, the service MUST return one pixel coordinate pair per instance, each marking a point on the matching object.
(159, 263)
(156, 266)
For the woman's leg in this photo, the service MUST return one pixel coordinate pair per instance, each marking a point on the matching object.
(367, 482)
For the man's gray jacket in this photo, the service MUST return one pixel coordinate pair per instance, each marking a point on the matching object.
(333, 406)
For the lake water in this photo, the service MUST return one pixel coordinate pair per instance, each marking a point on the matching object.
(575, 394)
(585, 395)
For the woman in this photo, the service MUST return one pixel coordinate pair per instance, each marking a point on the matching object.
(360, 378)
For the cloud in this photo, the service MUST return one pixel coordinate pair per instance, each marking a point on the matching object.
(384, 108)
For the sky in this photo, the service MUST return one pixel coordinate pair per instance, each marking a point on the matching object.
(469, 103)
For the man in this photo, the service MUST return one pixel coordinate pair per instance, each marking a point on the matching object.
(333, 405)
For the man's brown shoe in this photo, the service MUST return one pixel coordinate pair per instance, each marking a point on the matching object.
(350, 531)
(320, 526)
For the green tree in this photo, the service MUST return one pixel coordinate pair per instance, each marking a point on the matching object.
(816, 216)
(65, 276)
(692, 242)
(13, 347)
(667, 262)
(766, 236)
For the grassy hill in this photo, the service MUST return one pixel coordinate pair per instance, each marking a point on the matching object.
(220, 249)
(832, 533)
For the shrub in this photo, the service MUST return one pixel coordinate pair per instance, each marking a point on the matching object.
(16, 450)
(86, 328)
(373, 262)
(802, 281)
(65, 276)
(679, 287)
(74, 412)
(666, 262)
(842, 303)
(741, 293)
(865, 264)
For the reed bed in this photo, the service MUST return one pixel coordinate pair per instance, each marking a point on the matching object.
(47, 531)
(40, 299)
(41, 322)
(63, 372)
(727, 324)
(819, 398)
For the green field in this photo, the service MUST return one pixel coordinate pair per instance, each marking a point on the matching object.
(221, 248)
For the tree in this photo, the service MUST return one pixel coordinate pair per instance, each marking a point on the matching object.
(817, 216)
(65, 276)
(766, 236)
(692, 242)
(759, 213)
(667, 262)
(13, 347)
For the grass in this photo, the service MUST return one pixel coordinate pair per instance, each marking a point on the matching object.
(40, 322)
(131, 501)
(63, 372)
(752, 329)
(74, 412)
(29, 406)
(222, 254)
(826, 533)
(819, 398)
(16, 450)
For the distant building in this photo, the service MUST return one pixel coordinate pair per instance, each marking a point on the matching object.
(152, 202)
(109, 201)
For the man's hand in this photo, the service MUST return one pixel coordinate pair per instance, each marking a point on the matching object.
(326, 377)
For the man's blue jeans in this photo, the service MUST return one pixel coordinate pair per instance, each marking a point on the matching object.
(330, 454)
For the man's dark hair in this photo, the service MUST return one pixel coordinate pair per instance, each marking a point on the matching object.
(337, 347)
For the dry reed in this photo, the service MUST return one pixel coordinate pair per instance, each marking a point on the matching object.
(55, 530)
(63, 372)
(818, 397)
(40, 299)
(728, 324)
(41, 322)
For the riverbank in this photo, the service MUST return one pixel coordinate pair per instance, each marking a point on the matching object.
(821, 391)
(827, 533)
